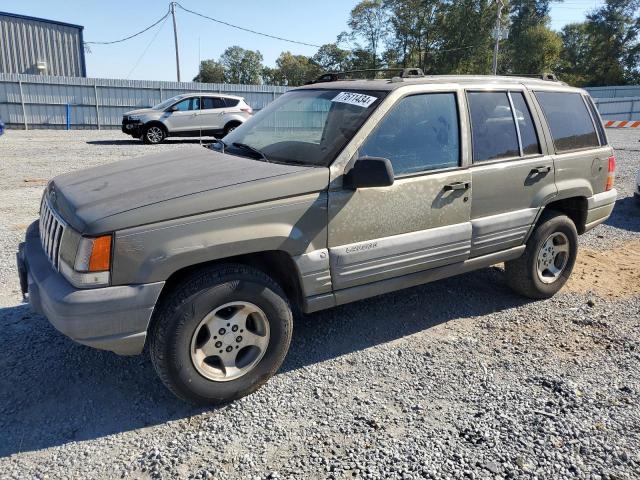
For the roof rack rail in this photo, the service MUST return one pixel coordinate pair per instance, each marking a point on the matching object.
(352, 74)
(542, 76)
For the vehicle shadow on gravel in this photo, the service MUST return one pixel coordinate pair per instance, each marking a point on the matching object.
(625, 215)
(54, 391)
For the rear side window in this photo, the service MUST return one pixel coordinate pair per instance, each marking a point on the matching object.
(569, 120)
(212, 102)
(493, 129)
(231, 102)
(419, 133)
(530, 143)
(597, 120)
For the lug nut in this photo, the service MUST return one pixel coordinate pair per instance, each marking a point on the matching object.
(238, 339)
(234, 328)
(222, 331)
(218, 344)
(229, 348)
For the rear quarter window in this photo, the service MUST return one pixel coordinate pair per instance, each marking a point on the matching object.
(569, 120)
(231, 102)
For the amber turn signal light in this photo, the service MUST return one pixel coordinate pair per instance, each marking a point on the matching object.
(100, 259)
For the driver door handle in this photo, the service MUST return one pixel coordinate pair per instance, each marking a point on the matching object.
(457, 186)
(544, 169)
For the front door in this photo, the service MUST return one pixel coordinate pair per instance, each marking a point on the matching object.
(420, 222)
(512, 174)
(185, 116)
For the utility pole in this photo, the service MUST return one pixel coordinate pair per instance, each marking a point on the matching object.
(175, 37)
(497, 33)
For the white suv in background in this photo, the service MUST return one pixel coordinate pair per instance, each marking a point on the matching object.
(187, 115)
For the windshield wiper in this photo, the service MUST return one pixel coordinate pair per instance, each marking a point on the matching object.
(252, 150)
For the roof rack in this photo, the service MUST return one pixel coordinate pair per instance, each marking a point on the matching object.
(542, 76)
(352, 74)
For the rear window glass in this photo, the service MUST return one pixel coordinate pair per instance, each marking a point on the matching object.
(597, 120)
(530, 144)
(231, 102)
(569, 120)
(493, 130)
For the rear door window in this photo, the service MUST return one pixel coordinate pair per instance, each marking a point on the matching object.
(209, 103)
(418, 134)
(493, 129)
(569, 120)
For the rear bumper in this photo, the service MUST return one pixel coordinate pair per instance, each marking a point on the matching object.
(110, 318)
(599, 208)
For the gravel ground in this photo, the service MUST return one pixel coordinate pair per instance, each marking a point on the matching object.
(456, 379)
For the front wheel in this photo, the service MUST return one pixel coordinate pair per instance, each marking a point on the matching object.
(221, 334)
(153, 135)
(548, 259)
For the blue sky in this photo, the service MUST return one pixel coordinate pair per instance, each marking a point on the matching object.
(310, 21)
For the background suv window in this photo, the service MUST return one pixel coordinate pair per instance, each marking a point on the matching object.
(569, 120)
(420, 133)
(212, 102)
(493, 129)
(188, 104)
(231, 102)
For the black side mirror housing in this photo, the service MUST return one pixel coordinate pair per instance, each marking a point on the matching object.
(172, 108)
(369, 172)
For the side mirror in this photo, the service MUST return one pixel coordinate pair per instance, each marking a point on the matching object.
(369, 172)
(172, 108)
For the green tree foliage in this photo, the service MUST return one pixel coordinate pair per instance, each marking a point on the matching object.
(210, 72)
(368, 23)
(331, 58)
(574, 64)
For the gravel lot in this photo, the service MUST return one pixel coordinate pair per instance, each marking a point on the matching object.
(456, 379)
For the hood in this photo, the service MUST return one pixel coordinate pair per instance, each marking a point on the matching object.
(141, 111)
(173, 184)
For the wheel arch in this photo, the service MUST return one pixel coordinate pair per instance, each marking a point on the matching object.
(573, 207)
(157, 123)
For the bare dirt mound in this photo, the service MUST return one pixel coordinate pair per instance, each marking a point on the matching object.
(608, 273)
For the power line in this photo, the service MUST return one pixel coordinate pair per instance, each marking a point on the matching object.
(130, 36)
(247, 29)
(147, 47)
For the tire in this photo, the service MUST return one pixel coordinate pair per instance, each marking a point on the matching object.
(177, 341)
(230, 127)
(522, 274)
(153, 134)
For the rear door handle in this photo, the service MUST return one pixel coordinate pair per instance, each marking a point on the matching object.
(457, 186)
(544, 169)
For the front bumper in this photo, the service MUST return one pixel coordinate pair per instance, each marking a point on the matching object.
(109, 318)
(131, 127)
(599, 208)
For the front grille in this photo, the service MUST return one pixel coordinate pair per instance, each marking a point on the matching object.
(51, 230)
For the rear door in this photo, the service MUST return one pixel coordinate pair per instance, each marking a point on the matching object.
(185, 117)
(512, 173)
(422, 220)
(212, 114)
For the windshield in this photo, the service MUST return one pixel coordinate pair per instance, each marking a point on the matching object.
(307, 127)
(167, 102)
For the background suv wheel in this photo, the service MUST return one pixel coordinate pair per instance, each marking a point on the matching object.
(153, 134)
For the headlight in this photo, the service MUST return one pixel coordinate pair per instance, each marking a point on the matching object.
(134, 118)
(92, 263)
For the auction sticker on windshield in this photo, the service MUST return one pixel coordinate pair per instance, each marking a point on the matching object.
(352, 98)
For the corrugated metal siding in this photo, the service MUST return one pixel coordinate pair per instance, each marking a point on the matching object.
(625, 91)
(24, 42)
(618, 108)
(45, 98)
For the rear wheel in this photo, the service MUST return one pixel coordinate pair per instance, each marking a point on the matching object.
(221, 334)
(548, 259)
(153, 134)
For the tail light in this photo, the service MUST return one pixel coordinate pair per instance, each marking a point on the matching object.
(611, 174)
(246, 109)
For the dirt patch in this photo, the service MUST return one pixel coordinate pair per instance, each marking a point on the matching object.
(608, 273)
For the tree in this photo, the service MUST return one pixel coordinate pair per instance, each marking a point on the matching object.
(613, 30)
(210, 72)
(242, 66)
(296, 70)
(574, 58)
(367, 21)
(331, 58)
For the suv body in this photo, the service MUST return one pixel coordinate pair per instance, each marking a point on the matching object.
(371, 187)
(188, 115)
